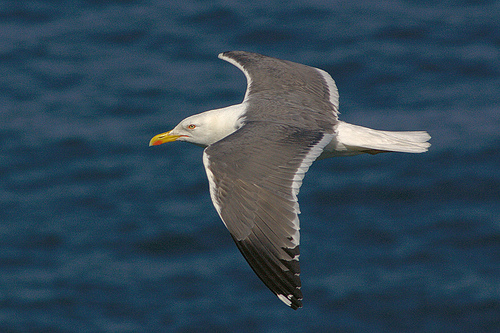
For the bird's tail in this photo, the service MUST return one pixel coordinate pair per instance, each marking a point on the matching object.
(353, 139)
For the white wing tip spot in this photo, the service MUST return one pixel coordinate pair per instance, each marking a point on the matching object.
(286, 299)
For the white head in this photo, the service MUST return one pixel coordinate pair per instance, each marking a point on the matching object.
(205, 128)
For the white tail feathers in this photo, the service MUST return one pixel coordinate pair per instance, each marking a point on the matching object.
(353, 140)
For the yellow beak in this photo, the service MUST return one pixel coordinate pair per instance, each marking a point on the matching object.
(163, 138)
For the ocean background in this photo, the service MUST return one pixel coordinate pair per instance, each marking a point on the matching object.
(101, 233)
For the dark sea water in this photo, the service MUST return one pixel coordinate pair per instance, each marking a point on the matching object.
(100, 233)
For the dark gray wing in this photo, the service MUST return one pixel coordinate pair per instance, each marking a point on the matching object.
(255, 175)
(311, 91)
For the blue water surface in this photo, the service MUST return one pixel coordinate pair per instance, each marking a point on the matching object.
(100, 233)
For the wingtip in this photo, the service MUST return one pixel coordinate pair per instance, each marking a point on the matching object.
(291, 301)
(222, 55)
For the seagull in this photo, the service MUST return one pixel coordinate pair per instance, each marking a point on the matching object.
(257, 153)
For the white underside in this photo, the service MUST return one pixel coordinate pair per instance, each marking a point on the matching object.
(352, 140)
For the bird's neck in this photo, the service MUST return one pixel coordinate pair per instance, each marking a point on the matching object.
(225, 121)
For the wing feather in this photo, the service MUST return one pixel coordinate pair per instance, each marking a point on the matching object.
(254, 184)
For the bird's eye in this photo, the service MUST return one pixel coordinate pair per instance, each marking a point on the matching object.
(191, 126)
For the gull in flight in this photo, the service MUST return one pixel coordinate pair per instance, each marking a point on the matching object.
(257, 153)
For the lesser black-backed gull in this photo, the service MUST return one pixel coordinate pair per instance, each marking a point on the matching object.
(258, 152)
